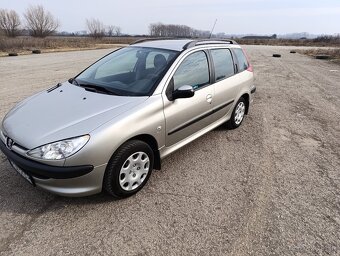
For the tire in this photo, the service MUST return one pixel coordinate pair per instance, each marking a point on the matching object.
(322, 57)
(277, 55)
(128, 169)
(292, 51)
(238, 114)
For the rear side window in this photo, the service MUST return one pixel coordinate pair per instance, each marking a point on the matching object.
(223, 63)
(242, 60)
(194, 71)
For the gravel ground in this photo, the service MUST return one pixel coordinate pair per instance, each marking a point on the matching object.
(271, 187)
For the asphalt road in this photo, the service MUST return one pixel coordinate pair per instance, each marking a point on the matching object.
(271, 187)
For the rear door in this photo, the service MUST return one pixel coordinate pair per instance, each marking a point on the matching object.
(184, 117)
(226, 83)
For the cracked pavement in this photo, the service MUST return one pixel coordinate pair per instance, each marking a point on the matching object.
(270, 187)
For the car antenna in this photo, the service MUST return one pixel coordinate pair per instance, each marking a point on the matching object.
(213, 29)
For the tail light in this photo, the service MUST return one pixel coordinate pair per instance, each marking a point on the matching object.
(250, 67)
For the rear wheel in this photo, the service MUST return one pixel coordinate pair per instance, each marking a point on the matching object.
(129, 169)
(238, 114)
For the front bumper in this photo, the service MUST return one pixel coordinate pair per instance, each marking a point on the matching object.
(40, 170)
(66, 181)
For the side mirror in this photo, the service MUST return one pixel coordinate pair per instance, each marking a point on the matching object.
(185, 91)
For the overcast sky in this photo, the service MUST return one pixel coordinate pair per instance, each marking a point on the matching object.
(234, 16)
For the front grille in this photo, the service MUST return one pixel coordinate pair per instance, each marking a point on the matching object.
(15, 144)
(20, 147)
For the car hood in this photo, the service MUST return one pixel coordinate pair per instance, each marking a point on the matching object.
(65, 112)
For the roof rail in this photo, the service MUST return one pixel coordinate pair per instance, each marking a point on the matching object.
(152, 39)
(208, 41)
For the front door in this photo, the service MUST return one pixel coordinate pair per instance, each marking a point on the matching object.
(184, 117)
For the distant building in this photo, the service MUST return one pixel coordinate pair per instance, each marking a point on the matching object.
(81, 33)
(64, 33)
(260, 37)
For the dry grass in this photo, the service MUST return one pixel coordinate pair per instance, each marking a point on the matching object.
(334, 54)
(28, 43)
(322, 42)
(25, 44)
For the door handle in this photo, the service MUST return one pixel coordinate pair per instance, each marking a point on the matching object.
(209, 98)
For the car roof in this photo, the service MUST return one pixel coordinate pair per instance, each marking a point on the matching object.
(180, 44)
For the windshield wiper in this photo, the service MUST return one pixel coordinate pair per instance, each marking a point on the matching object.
(73, 81)
(96, 88)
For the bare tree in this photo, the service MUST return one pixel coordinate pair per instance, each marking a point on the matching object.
(40, 22)
(9, 22)
(110, 29)
(118, 30)
(113, 30)
(95, 27)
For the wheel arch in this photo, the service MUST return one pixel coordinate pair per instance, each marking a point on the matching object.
(246, 97)
(152, 142)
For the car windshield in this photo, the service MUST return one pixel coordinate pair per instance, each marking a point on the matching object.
(130, 71)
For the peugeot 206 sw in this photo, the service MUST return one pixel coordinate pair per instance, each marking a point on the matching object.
(109, 127)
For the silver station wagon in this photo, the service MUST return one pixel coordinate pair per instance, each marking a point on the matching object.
(110, 126)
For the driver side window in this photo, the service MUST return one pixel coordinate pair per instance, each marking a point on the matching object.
(194, 71)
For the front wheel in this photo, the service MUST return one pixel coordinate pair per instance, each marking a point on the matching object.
(129, 169)
(238, 114)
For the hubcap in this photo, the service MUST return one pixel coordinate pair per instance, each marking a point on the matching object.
(239, 112)
(134, 171)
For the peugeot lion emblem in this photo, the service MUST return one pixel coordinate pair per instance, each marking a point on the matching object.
(10, 143)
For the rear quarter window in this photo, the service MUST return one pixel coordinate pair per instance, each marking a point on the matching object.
(223, 63)
(242, 60)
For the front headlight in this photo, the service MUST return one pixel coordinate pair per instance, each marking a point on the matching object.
(60, 149)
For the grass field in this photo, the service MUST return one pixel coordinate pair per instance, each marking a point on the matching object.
(323, 41)
(25, 44)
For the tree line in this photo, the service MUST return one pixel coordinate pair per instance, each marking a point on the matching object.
(41, 23)
(171, 30)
